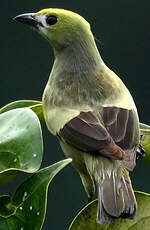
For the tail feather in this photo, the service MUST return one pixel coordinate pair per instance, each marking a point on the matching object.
(116, 198)
(102, 215)
(115, 194)
(112, 201)
(129, 198)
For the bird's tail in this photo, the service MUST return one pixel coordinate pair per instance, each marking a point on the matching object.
(115, 198)
(115, 194)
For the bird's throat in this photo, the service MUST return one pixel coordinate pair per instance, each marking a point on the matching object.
(79, 56)
(75, 74)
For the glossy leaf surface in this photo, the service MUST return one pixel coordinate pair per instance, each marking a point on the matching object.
(27, 208)
(36, 106)
(21, 143)
(86, 219)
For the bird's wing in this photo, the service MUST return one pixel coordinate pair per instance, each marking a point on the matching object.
(122, 125)
(112, 134)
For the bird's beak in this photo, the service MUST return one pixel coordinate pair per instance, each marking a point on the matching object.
(28, 19)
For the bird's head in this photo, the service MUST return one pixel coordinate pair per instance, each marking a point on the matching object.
(60, 27)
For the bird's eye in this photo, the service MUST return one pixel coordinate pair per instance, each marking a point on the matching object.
(51, 20)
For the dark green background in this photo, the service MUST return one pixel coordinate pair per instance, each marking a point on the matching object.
(123, 28)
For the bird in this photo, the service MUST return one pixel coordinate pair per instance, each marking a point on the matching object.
(91, 112)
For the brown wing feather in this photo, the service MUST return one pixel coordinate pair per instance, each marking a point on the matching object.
(115, 135)
(86, 132)
(117, 127)
(123, 126)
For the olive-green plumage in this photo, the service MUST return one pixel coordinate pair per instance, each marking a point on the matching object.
(91, 111)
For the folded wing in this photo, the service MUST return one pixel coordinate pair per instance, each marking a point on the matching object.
(113, 133)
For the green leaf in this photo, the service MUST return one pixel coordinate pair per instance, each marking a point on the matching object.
(27, 208)
(38, 109)
(145, 140)
(6, 206)
(36, 106)
(21, 143)
(144, 126)
(19, 104)
(86, 219)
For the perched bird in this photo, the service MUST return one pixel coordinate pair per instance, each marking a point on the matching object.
(91, 111)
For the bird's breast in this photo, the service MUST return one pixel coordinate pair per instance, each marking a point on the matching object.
(57, 117)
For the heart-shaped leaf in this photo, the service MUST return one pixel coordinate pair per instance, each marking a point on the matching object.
(86, 219)
(27, 208)
(21, 143)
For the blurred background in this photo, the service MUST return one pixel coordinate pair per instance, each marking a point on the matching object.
(123, 31)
